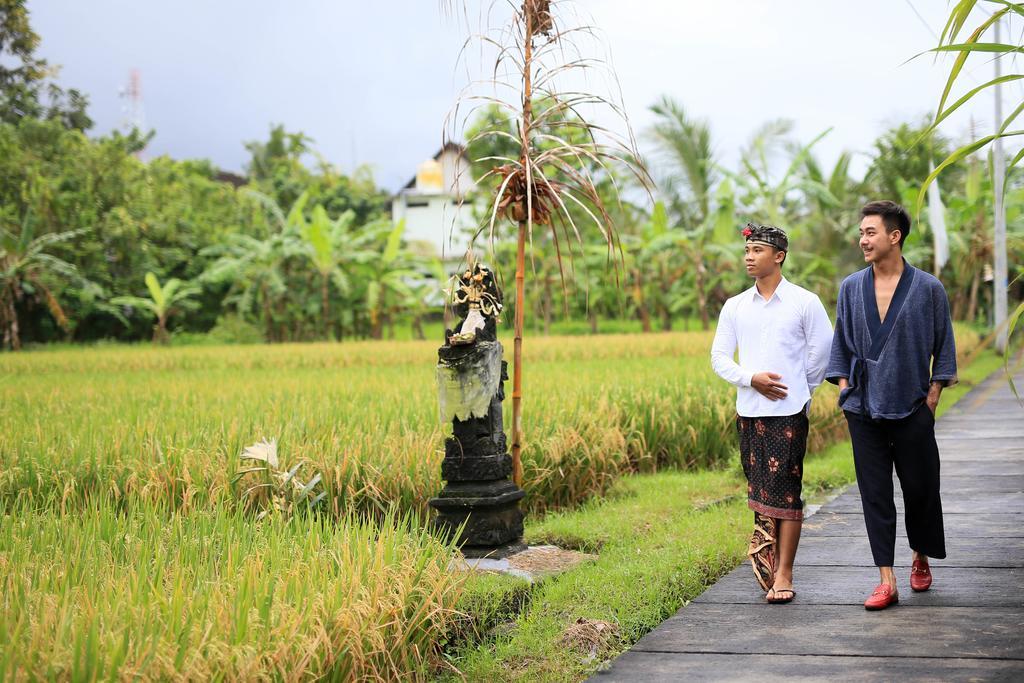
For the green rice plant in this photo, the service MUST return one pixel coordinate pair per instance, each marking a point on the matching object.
(143, 592)
(140, 424)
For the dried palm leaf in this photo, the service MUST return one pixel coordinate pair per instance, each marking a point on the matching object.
(554, 175)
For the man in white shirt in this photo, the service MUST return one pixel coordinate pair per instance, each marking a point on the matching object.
(784, 338)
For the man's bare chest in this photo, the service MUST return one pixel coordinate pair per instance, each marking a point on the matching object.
(883, 296)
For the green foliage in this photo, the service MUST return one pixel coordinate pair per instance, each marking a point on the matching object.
(163, 301)
(303, 251)
(28, 270)
(176, 220)
(25, 88)
(276, 169)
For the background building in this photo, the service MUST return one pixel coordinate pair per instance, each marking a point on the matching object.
(437, 204)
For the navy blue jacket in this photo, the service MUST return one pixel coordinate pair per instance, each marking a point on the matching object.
(890, 364)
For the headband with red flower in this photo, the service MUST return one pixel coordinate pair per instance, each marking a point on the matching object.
(767, 234)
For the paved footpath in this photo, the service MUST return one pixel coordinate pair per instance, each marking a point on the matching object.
(968, 627)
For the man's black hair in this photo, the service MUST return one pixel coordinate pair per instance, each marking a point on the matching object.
(894, 217)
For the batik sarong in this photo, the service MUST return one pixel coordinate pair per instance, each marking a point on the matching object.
(761, 550)
(772, 452)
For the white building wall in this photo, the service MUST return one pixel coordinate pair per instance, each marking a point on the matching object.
(431, 218)
(458, 178)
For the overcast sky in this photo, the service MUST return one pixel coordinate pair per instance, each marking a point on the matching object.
(371, 82)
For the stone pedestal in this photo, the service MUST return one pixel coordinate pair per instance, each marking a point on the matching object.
(479, 493)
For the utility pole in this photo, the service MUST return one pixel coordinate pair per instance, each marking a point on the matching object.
(999, 246)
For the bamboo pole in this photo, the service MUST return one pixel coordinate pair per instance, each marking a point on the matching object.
(524, 225)
(517, 358)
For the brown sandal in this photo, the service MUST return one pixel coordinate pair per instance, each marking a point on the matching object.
(762, 551)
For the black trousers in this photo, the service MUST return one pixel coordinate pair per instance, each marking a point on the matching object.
(909, 445)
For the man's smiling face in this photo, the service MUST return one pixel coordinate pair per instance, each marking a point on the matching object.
(875, 241)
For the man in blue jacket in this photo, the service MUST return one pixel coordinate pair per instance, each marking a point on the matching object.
(892, 354)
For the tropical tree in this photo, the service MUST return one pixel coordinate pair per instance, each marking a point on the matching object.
(970, 240)
(25, 84)
(425, 294)
(334, 249)
(685, 169)
(388, 273)
(699, 206)
(770, 197)
(25, 266)
(164, 301)
(543, 173)
(709, 252)
(832, 218)
(951, 42)
(252, 269)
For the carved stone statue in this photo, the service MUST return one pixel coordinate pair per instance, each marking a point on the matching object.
(476, 466)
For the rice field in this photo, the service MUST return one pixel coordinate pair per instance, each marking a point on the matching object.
(124, 551)
(167, 425)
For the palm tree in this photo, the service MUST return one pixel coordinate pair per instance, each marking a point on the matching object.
(163, 302)
(774, 199)
(689, 180)
(25, 266)
(688, 167)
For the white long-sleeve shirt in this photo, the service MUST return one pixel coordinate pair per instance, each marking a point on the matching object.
(789, 334)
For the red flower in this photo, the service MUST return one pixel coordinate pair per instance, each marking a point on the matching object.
(747, 232)
(773, 465)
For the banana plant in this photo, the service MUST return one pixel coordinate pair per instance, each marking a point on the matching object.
(696, 245)
(333, 247)
(164, 301)
(252, 267)
(25, 264)
(389, 275)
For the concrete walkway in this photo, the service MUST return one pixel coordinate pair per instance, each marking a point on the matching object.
(969, 626)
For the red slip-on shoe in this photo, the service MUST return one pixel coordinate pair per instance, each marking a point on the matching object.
(920, 576)
(883, 596)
